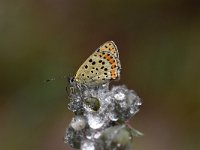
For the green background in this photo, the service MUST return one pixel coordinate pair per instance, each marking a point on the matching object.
(159, 46)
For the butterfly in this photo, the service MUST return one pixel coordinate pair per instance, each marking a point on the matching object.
(101, 67)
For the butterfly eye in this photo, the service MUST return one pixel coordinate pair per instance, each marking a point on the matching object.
(70, 80)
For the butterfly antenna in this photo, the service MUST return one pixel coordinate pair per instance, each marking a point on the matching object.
(49, 80)
(54, 78)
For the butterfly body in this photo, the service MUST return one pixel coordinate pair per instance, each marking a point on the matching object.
(100, 67)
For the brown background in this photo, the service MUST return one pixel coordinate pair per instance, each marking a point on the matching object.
(159, 45)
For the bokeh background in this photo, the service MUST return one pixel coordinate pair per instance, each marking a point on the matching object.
(159, 45)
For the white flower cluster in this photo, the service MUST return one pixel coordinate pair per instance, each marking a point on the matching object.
(100, 116)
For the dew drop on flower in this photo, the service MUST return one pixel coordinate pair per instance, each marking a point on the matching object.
(97, 135)
(87, 145)
(95, 121)
(78, 123)
(119, 96)
(113, 116)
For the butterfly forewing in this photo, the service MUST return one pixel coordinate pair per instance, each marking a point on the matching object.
(111, 47)
(101, 67)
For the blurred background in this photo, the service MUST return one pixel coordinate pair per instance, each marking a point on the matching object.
(159, 46)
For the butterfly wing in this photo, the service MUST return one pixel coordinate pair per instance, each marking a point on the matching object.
(109, 46)
(102, 66)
